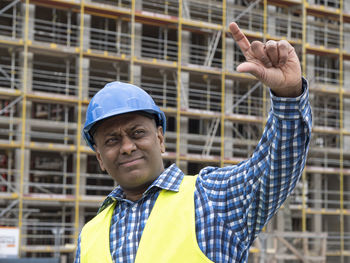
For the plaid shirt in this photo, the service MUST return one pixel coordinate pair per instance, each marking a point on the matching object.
(233, 203)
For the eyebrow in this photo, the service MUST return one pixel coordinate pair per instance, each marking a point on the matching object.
(113, 132)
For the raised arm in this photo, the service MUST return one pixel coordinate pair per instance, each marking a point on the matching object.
(244, 197)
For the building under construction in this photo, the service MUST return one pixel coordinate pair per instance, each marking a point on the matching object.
(55, 55)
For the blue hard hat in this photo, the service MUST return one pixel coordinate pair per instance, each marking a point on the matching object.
(119, 98)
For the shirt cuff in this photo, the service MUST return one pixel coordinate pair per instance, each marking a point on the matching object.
(292, 108)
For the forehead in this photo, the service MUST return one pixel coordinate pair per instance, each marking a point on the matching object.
(123, 121)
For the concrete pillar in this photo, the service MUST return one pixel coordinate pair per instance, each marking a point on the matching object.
(185, 82)
(346, 63)
(28, 81)
(85, 61)
(310, 32)
(137, 69)
(30, 21)
(83, 170)
(346, 6)
(310, 69)
(81, 217)
(228, 146)
(229, 13)
(85, 77)
(346, 35)
(346, 68)
(86, 32)
(230, 65)
(316, 225)
(185, 47)
(271, 20)
(346, 117)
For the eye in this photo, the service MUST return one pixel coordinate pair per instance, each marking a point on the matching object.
(138, 133)
(111, 140)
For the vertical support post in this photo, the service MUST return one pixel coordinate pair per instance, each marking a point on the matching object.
(223, 77)
(263, 86)
(178, 99)
(132, 51)
(80, 98)
(304, 179)
(24, 107)
(341, 128)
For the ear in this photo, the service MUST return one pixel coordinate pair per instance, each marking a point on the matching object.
(160, 137)
(99, 159)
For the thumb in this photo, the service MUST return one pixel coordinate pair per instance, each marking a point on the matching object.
(252, 68)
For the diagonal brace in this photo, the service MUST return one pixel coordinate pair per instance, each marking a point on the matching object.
(8, 6)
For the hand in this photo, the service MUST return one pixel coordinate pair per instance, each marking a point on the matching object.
(274, 63)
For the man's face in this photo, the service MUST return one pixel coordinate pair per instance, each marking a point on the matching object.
(129, 148)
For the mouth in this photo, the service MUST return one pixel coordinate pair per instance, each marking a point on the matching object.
(130, 162)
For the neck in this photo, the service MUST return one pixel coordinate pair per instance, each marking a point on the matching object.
(133, 196)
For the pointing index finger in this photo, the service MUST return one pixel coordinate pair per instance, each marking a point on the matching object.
(239, 37)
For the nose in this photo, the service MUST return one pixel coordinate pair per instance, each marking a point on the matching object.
(127, 145)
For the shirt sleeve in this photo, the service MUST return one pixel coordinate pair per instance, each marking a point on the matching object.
(247, 195)
(77, 254)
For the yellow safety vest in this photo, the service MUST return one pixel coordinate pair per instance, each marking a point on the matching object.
(168, 237)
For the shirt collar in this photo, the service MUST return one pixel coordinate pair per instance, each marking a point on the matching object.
(170, 179)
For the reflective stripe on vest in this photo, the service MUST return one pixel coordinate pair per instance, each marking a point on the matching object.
(168, 237)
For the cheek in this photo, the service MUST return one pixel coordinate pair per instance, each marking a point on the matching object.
(108, 158)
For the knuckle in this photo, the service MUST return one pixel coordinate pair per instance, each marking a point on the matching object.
(264, 59)
(256, 44)
(271, 43)
(283, 44)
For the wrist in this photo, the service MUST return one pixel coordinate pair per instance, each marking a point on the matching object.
(290, 92)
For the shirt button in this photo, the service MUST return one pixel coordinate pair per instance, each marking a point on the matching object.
(130, 237)
(133, 209)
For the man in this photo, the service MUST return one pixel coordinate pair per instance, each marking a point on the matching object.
(158, 215)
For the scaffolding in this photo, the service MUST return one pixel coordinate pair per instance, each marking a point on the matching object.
(56, 54)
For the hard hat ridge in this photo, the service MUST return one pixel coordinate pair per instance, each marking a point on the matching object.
(119, 98)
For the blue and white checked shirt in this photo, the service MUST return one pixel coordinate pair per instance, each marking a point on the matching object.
(232, 204)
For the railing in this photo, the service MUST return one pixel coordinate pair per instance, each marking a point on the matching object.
(10, 74)
(9, 180)
(199, 52)
(51, 182)
(327, 199)
(207, 11)
(328, 3)
(165, 7)
(113, 41)
(323, 34)
(158, 48)
(55, 78)
(326, 117)
(292, 246)
(62, 33)
(286, 25)
(11, 25)
(96, 184)
(323, 75)
(195, 144)
(162, 89)
(253, 20)
(115, 3)
(204, 96)
(251, 106)
(49, 231)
